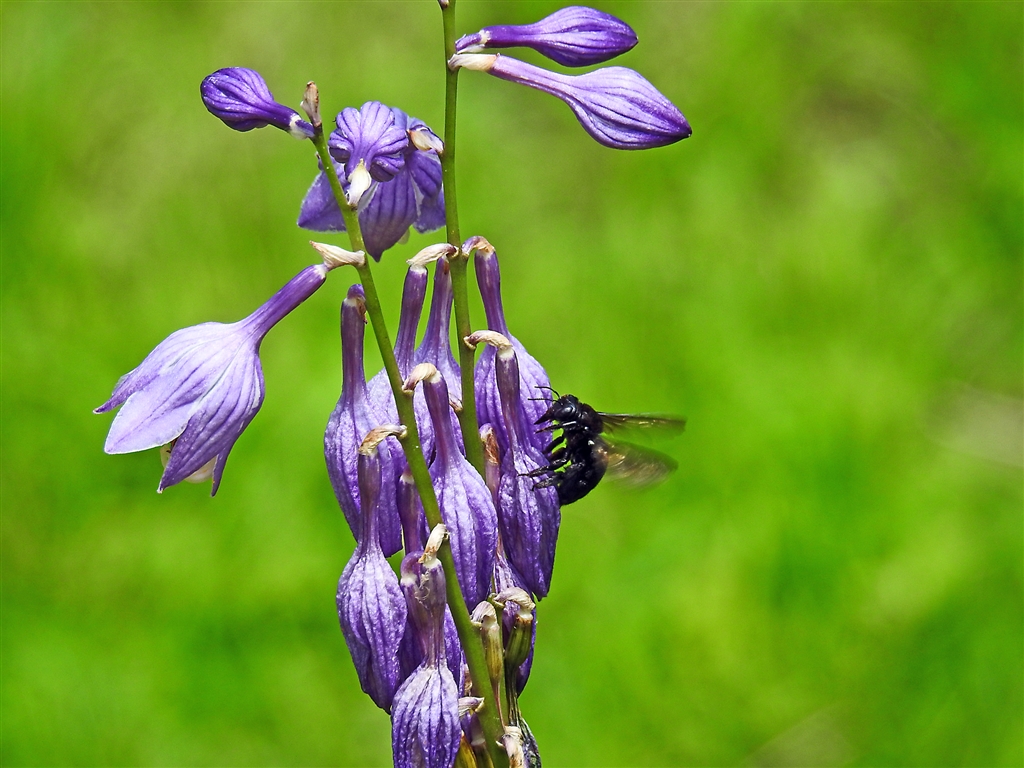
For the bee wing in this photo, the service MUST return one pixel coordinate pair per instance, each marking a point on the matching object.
(615, 421)
(634, 465)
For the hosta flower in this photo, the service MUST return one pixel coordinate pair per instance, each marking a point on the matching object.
(615, 105)
(240, 98)
(535, 386)
(425, 730)
(528, 516)
(574, 37)
(350, 421)
(464, 499)
(202, 386)
(371, 607)
(395, 184)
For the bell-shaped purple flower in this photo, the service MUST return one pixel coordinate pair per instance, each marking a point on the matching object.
(574, 37)
(535, 386)
(529, 517)
(241, 98)
(371, 607)
(436, 349)
(615, 105)
(397, 184)
(463, 496)
(425, 730)
(352, 418)
(201, 387)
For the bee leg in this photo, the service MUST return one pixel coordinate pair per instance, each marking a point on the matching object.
(546, 482)
(554, 444)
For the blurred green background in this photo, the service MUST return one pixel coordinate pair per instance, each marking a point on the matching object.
(826, 279)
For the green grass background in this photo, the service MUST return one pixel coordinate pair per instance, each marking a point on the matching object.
(826, 279)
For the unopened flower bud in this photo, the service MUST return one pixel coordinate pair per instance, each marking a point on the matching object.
(335, 257)
(465, 757)
(311, 104)
(240, 97)
(485, 619)
(480, 62)
(410, 511)
(492, 460)
(431, 254)
(573, 37)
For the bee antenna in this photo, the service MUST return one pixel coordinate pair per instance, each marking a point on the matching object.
(550, 389)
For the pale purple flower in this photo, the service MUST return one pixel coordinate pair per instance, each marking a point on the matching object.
(372, 149)
(371, 607)
(200, 387)
(535, 386)
(425, 730)
(615, 105)
(574, 37)
(241, 98)
(350, 421)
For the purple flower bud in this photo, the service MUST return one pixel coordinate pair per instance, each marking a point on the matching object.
(200, 387)
(425, 729)
(398, 184)
(529, 517)
(574, 37)
(506, 578)
(240, 98)
(410, 511)
(371, 607)
(436, 349)
(463, 497)
(615, 105)
(535, 385)
(350, 421)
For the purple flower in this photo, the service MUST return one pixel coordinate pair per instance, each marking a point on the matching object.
(506, 578)
(201, 387)
(351, 420)
(240, 98)
(371, 607)
(534, 381)
(615, 105)
(398, 186)
(425, 730)
(528, 516)
(574, 37)
(463, 496)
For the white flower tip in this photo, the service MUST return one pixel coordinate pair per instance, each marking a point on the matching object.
(311, 104)
(493, 338)
(434, 542)
(378, 435)
(481, 62)
(432, 253)
(477, 243)
(513, 741)
(426, 140)
(335, 257)
(295, 129)
(421, 372)
(359, 181)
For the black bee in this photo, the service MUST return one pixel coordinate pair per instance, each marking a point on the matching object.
(581, 455)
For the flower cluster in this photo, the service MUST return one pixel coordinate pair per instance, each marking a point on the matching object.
(469, 494)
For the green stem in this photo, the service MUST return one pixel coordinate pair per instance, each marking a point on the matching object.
(468, 635)
(459, 262)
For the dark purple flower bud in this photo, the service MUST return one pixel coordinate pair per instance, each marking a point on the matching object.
(410, 511)
(201, 387)
(240, 98)
(465, 502)
(399, 185)
(436, 350)
(425, 729)
(529, 517)
(615, 105)
(573, 37)
(534, 382)
(371, 607)
(349, 424)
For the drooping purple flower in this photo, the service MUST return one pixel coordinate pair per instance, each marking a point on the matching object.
(425, 731)
(399, 185)
(436, 349)
(615, 105)
(201, 387)
(574, 37)
(241, 98)
(535, 386)
(371, 607)
(465, 502)
(528, 516)
(352, 418)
